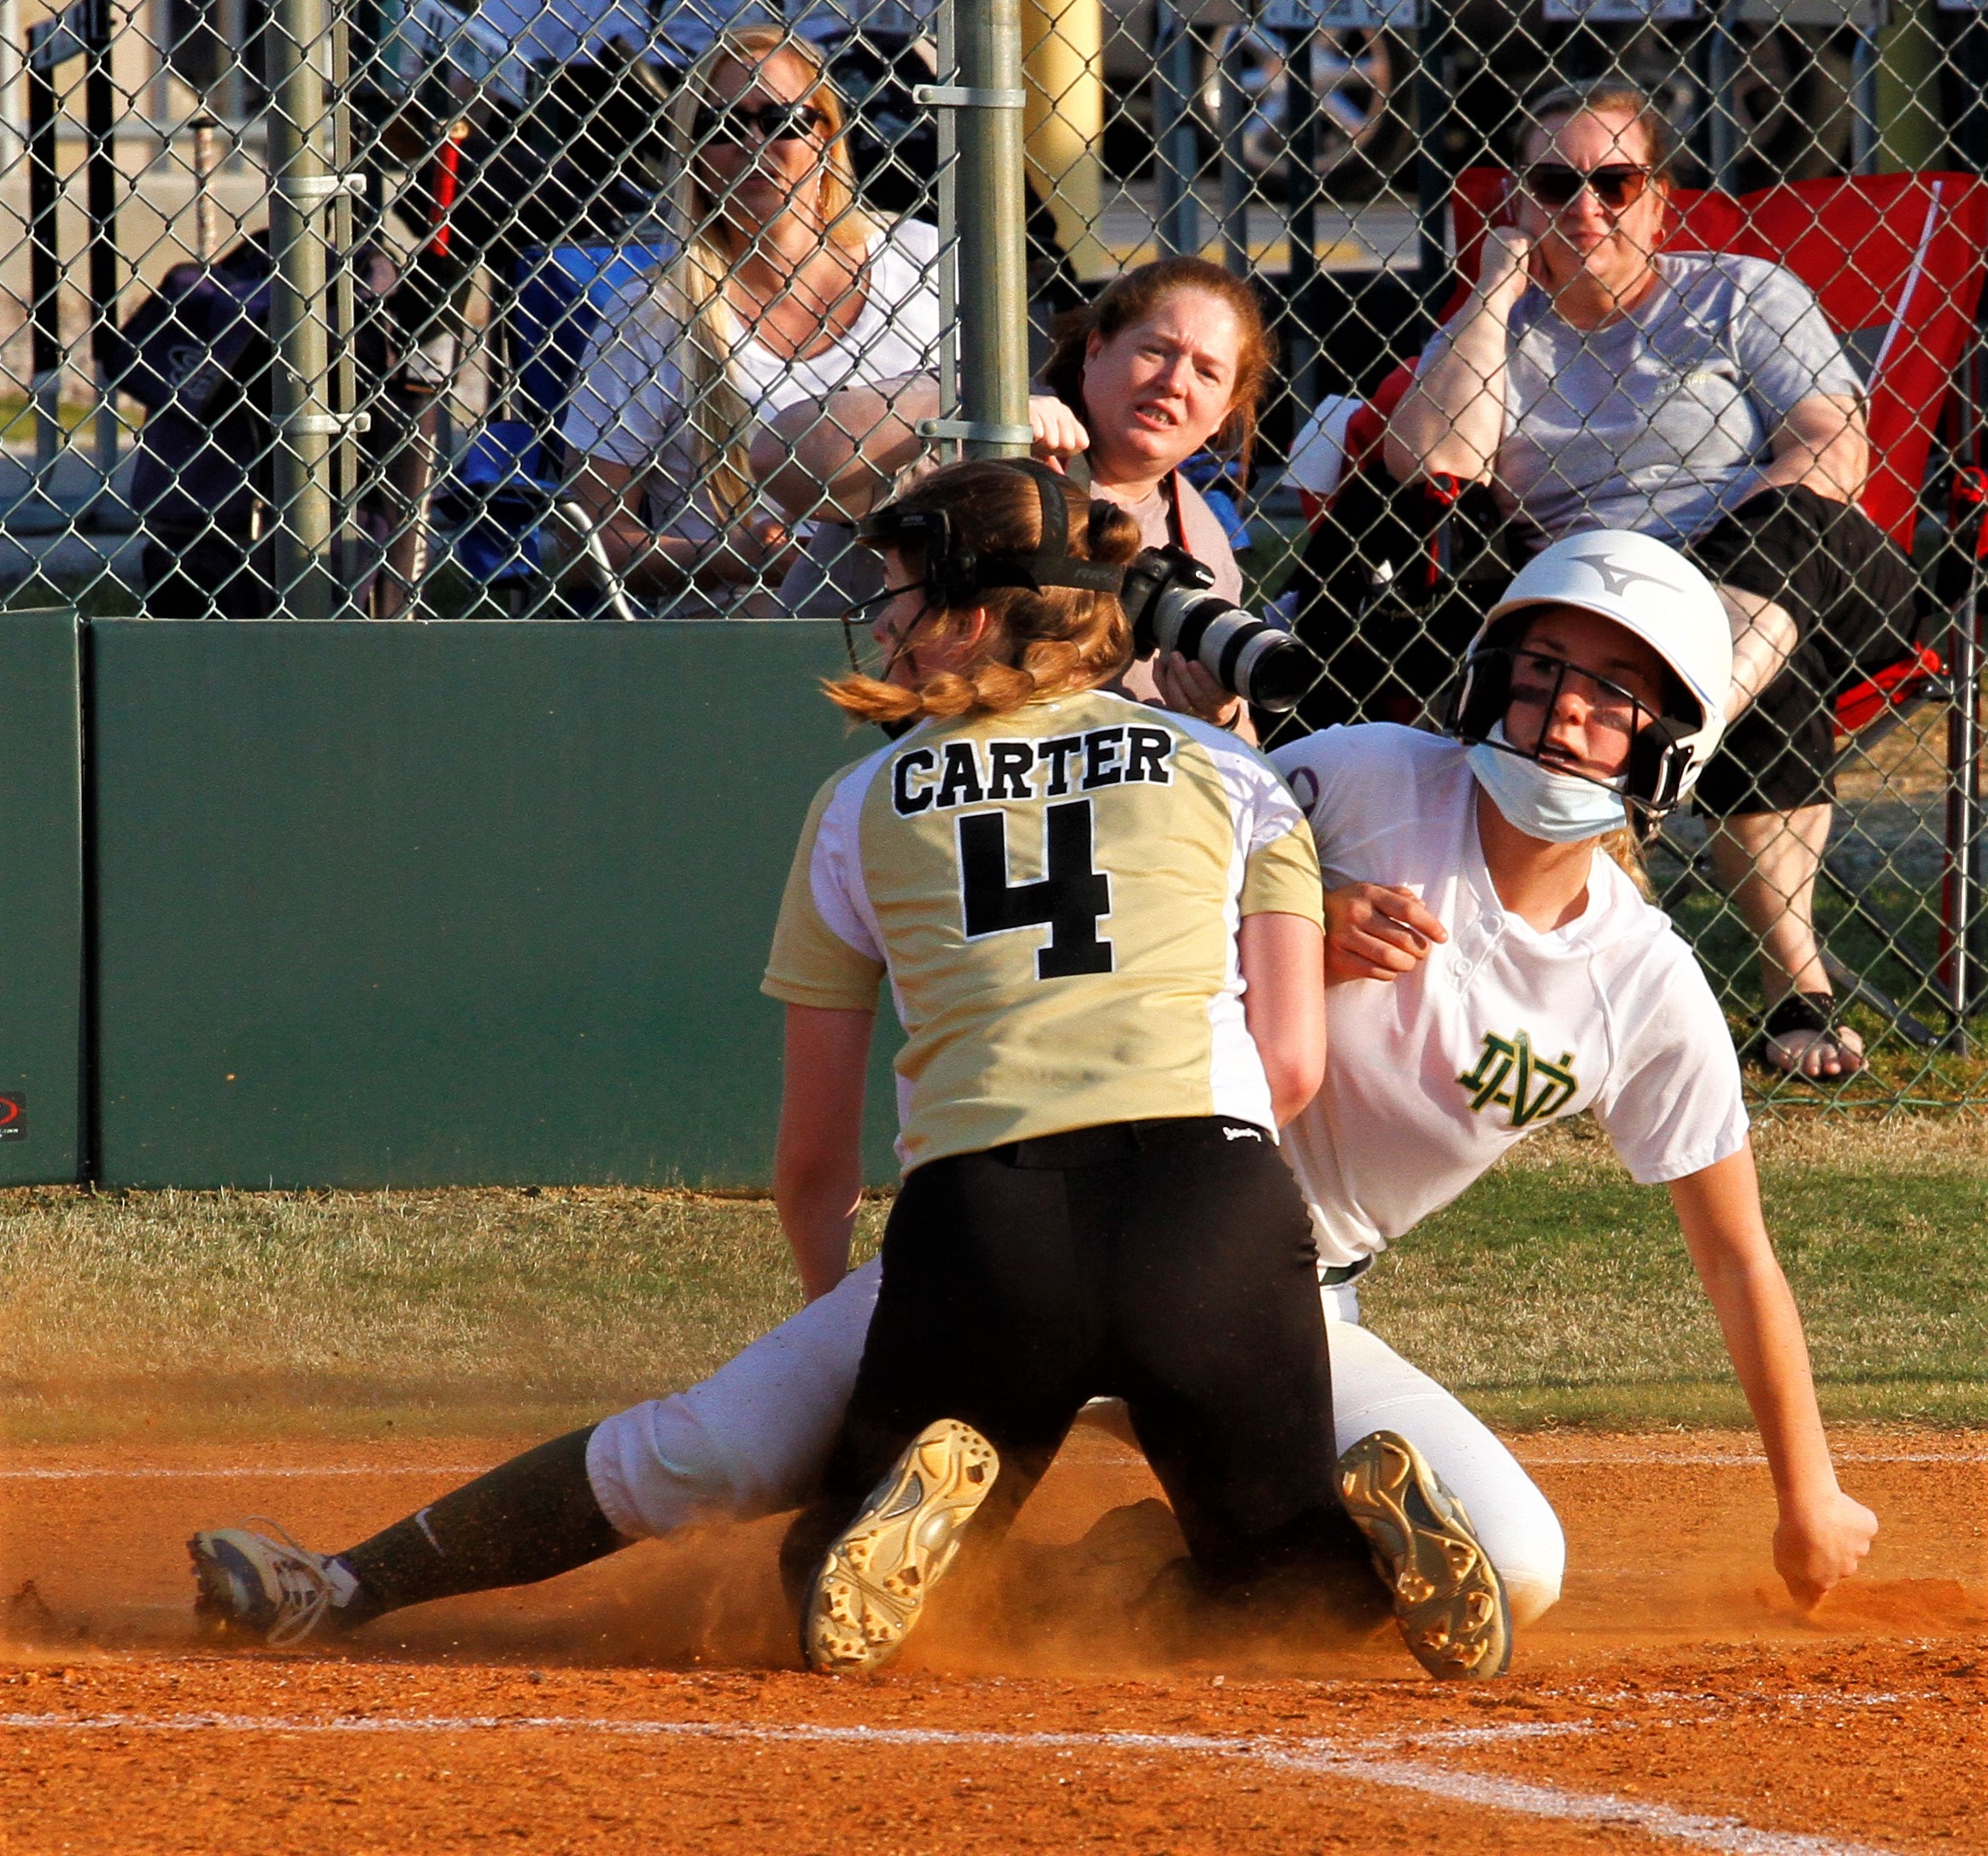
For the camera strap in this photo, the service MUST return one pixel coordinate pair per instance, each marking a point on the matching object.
(1176, 529)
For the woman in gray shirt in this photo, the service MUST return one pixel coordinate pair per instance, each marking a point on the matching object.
(1595, 381)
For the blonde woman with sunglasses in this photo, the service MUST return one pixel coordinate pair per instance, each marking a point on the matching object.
(1594, 380)
(783, 289)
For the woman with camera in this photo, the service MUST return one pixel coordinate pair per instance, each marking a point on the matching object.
(784, 289)
(1170, 359)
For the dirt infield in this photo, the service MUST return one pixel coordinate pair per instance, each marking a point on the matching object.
(1670, 1702)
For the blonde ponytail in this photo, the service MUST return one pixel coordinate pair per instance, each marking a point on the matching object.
(1627, 849)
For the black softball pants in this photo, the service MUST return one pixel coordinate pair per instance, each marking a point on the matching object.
(1168, 1263)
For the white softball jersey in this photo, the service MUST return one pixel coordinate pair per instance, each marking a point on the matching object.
(1502, 1030)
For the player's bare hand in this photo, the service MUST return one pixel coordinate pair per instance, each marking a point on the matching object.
(1374, 931)
(1186, 686)
(1505, 267)
(1059, 433)
(1822, 1545)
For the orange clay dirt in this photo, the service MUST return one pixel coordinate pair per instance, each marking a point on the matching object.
(1673, 1701)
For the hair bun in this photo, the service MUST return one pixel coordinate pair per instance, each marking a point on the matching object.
(1111, 534)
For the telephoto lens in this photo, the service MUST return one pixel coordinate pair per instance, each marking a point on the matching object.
(1167, 599)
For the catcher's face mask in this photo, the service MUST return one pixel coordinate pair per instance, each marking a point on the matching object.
(1553, 691)
(892, 616)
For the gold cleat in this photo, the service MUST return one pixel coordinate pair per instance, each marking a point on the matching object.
(882, 1566)
(1448, 1598)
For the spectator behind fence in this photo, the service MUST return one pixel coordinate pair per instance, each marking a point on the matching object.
(782, 291)
(1168, 360)
(1595, 382)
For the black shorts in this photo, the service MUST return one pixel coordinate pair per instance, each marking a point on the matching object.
(1167, 1263)
(1851, 593)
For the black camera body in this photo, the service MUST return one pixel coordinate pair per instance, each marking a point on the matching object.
(1166, 597)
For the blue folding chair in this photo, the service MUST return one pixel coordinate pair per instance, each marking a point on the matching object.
(506, 485)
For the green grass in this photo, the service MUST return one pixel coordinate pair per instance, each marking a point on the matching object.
(17, 417)
(472, 1312)
(1556, 1292)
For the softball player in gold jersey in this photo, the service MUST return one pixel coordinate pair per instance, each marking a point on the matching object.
(1100, 927)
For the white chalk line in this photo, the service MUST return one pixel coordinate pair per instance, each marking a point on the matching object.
(1731, 1836)
(1715, 1460)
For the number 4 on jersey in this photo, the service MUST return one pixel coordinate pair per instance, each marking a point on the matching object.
(1068, 898)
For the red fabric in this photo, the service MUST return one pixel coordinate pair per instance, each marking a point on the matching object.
(448, 183)
(1897, 685)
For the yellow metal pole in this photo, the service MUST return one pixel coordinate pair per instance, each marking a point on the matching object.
(1063, 61)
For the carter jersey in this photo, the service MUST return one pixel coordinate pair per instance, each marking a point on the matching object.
(1500, 1030)
(1055, 895)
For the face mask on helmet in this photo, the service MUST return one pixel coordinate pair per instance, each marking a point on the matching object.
(1656, 594)
(1503, 682)
(1563, 808)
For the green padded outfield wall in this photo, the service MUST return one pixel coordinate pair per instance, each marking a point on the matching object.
(41, 900)
(474, 903)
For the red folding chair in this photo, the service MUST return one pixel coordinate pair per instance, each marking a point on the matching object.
(1896, 263)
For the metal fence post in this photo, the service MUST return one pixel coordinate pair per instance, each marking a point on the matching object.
(1432, 163)
(302, 187)
(1232, 120)
(1723, 70)
(994, 291)
(12, 123)
(1302, 116)
(1963, 888)
(38, 512)
(947, 201)
(1176, 150)
(102, 184)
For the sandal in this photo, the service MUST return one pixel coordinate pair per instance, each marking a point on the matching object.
(1814, 1012)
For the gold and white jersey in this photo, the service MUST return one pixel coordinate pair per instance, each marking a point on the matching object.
(1055, 895)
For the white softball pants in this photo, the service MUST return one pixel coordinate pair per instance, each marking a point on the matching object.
(752, 1438)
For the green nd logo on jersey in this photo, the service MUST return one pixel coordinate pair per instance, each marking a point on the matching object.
(1509, 1076)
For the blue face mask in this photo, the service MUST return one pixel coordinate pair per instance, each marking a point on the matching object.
(1563, 808)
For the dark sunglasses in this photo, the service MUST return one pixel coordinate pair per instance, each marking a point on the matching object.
(1618, 184)
(735, 124)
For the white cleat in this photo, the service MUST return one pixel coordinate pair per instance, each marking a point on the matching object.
(263, 1590)
(882, 1566)
(1448, 1598)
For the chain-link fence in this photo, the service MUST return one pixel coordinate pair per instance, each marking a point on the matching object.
(366, 309)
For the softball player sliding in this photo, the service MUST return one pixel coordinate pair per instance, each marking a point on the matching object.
(1101, 925)
(1488, 973)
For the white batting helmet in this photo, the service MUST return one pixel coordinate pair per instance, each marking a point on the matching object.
(1649, 589)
